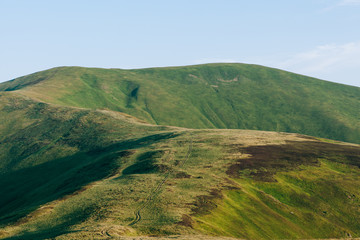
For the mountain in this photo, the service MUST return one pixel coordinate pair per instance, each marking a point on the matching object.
(226, 96)
(104, 154)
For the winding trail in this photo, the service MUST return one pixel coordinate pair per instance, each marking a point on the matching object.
(157, 189)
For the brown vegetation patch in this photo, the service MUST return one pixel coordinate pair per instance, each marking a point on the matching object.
(266, 160)
(182, 175)
(186, 221)
(205, 203)
(162, 168)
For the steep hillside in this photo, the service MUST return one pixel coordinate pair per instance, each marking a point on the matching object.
(73, 173)
(233, 96)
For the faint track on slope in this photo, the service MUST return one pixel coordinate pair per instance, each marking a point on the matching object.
(157, 189)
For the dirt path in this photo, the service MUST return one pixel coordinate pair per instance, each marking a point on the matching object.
(157, 189)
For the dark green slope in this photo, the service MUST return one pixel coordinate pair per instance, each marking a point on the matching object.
(47, 152)
(235, 96)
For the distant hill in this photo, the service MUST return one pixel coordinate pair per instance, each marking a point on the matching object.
(232, 96)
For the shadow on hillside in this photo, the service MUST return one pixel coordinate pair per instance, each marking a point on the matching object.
(25, 190)
(46, 234)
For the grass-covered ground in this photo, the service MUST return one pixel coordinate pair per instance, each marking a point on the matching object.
(232, 96)
(49, 152)
(75, 165)
(87, 179)
(305, 191)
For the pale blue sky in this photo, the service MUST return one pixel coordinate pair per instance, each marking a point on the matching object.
(319, 38)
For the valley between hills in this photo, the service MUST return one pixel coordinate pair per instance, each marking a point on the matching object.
(215, 151)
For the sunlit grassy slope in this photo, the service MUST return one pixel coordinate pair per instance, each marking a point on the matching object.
(233, 96)
(73, 173)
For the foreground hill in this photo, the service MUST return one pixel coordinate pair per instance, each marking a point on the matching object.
(75, 173)
(233, 96)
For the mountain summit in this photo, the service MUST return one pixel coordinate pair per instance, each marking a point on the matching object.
(227, 96)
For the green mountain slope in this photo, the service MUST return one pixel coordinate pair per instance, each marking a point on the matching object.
(73, 173)
(233, 96)
(103, 153)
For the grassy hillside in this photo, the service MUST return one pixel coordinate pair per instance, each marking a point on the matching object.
(233, 96)
(72, 173)
(102, 153)
(48, 152)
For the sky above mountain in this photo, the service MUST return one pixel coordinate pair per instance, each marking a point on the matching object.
(319, 38)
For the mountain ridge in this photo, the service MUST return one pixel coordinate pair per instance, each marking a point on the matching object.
(236, 96)
(176, 67)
